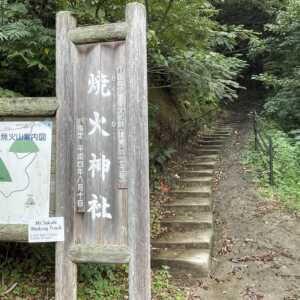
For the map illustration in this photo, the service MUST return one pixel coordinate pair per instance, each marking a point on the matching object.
(25, 162)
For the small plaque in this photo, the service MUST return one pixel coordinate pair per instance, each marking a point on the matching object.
(46, 230)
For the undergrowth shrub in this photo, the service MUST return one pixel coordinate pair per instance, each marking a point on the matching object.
(102, 282)
(286, 166)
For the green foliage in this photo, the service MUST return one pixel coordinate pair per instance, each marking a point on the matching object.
(282, 68)
(159, 156)
(296, 136)
(107, 282)
(163, 288)
(31, 267)
(205, 77)
(253, 14)
(192, 67)
(286, 166)
(8, 93)
(100, 282)
(26, 51)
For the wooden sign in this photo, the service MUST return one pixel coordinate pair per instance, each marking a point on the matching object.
(25, 161)
(102, 176)
(100, 146)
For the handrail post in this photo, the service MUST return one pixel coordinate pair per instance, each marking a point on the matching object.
(271, 158)
(255, 130)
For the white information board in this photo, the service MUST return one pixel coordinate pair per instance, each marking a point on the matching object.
(46, 230)
(25, 165)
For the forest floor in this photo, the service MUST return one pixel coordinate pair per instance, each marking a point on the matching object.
(257, 240)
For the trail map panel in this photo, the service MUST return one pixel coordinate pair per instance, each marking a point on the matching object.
(25, 162)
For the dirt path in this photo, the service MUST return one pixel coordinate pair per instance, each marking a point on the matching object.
(257, 242)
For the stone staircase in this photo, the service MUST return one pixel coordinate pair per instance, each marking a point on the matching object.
(187, 244)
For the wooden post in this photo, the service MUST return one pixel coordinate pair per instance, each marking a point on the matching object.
(138, 154)
(66, 270)
(271, 160)
(255, 130)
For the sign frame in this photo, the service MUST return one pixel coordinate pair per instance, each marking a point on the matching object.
(69, 253)
(136, 251)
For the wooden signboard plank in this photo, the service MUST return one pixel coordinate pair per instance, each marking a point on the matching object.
(13, 233)
(99, 33)
(99, 74)
(26, 106)
(99, 254)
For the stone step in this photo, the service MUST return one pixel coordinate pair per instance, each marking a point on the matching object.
(214, 147)
(208, 147)
(195, 173)
(205, 158)
(197, 181)
(207, 151)
(210, 143)
(193, 261)
(185, 223)
(234, 119)
(191, 192)
(223, 128)
(235, 123)
(201, 151)
(216, 135)
(213, 138)
(197, 239)
(198, 165)
(185, 205)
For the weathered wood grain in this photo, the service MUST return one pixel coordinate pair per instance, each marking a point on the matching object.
(26, 107)
(105, 61)
(99, 33)
(99, 254)
(138, 157)
(66, 270)
(13, 233)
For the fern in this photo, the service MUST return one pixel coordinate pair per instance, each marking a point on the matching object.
(28, 46)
